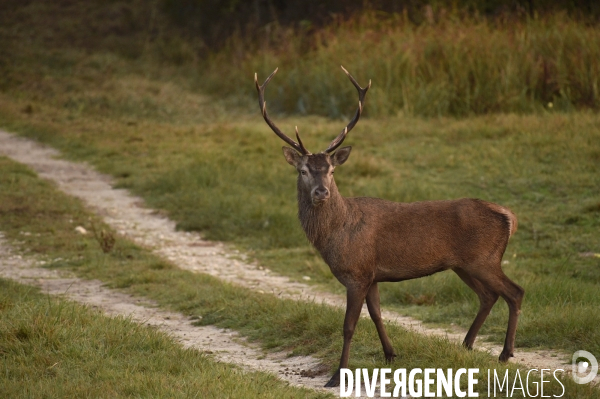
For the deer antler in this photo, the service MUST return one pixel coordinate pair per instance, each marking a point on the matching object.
(263, 107)
(361, 101)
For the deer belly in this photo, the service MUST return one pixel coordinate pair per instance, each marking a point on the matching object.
(407, 265)
(407, 272)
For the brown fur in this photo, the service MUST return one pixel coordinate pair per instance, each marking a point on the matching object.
(369, 240)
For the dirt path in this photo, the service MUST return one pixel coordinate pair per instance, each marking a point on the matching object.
(224, 345)
(127, 214)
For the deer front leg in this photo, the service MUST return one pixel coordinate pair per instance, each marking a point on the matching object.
(375, 313)
(355, 298)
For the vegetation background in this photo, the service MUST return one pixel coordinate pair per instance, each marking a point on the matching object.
(490, 99)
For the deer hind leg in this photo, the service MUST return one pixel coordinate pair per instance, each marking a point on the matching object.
(487, 299)
(375, 313)
(355, 297)
(512, 293)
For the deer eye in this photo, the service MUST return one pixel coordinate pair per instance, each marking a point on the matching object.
(303, 173)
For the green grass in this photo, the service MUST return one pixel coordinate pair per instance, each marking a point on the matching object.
(229, 181)
(125, 104)
(28, 204)
(51, 348)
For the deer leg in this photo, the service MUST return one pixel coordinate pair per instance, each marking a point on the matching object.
(375, 313)
(513, 295)
(487, 299)
(355, 298)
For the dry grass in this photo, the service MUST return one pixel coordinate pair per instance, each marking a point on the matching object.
(457, 66)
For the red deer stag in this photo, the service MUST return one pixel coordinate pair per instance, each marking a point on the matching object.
(369, 240)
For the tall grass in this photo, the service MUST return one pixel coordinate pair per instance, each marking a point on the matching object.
(456, 65)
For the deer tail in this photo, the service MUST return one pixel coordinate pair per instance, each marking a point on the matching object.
(509, 215)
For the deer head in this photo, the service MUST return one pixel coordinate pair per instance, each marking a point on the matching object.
(315, 171)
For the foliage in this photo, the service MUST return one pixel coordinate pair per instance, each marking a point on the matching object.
(457, 66)
(214, 21)
(451, 63)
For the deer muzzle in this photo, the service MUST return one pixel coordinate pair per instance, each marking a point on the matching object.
(319, 195)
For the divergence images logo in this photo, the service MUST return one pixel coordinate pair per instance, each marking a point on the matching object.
(581, 367)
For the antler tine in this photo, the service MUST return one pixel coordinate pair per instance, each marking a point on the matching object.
(263, 108)
(361, 101)
(300, 141)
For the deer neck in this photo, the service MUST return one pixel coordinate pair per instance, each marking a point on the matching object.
(322, 221)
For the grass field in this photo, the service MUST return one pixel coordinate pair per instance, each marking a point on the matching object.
(52, 348)
(46, 216)
(140, 110)
(229, 181)
(215, 167)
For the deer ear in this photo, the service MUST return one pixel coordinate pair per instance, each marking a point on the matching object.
(291, 156)
(340, 156)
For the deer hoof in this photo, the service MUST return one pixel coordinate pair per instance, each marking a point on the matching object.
(390, 358)
(467, 345)
(505, 355)
(333, 382)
